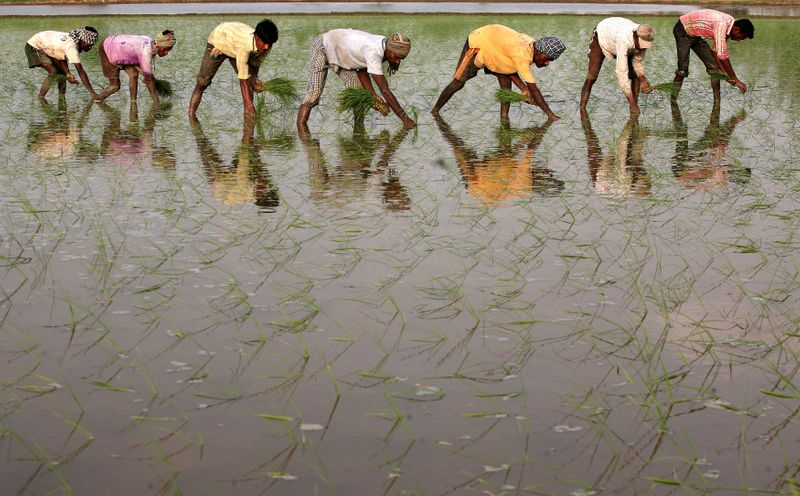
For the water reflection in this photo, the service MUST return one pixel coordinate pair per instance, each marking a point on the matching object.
(245, 179)
(620, 172)
(506, 172)
(60, 135)
(703, 165)
(355, 177)
(134, 144)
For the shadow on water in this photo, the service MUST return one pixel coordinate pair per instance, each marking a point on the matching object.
(508, 171)
(705, 165)
(621, 171)
(245, 179)
(364, 170)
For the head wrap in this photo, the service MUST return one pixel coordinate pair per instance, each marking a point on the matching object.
(399, 44)
(550, 46)
(83, 34)
(165, 40)
(646, 35)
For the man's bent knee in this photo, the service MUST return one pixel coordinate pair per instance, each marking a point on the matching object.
(203, 82)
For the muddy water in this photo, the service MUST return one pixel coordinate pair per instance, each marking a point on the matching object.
(594, 306)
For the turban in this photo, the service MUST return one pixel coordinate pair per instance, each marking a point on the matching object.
(165, 40)
(83, 34)
(550, 46)
(399, 44)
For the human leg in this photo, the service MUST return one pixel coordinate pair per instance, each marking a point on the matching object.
(465, 70)
(505, 83)
(110, 71)
(208, 68)
(317, 74)
(682, 44)
(706, 55)
(133, 82)
(596, 59)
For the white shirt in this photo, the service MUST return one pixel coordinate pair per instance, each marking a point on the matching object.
(352, 49)
(615, 36)
(56, 45)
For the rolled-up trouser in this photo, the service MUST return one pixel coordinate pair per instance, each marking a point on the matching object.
(684, 42)
(211, 63)
(37, 58)
(318, 72)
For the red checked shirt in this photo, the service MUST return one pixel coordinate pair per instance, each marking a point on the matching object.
(711, 25)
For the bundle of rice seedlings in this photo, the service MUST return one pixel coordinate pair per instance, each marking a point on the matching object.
(508, 96)
(59, 78)
(670, 88)
(356, 100)
(285, 90)
(163, 88)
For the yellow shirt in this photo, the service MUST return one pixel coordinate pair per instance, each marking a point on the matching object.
(503, 50)
(237, 40)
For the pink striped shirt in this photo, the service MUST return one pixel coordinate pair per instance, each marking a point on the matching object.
(711, 25)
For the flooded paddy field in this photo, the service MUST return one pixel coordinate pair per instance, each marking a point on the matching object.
(598, 306)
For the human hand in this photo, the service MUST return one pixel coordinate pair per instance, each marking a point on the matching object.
(71, 79)
(259, 86)
(383, 109)
(409, 123)
(645, 86)
(742, 87)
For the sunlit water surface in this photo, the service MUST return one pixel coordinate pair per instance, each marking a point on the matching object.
(596, 306)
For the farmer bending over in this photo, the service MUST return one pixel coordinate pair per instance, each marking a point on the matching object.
(691, 31)
(354, 56)
(507, 55)
(624, 40)
(53, 51)
(134, 54)
(245, 48)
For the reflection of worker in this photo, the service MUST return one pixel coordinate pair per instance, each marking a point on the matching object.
(627, 42)
(53, 51)
(691, 31)
(621, 172)
(245, 48)
(703, 165)
(354, 56)
(507, 55)
(246, 179)
(59, 136)
(133, 54)
(356, 177)
(509, 172)
(134, 144)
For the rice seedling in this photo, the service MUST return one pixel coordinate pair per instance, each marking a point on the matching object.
(163, 88)
(284, 89)
(358, 101)
(670, 88)
(503, 95)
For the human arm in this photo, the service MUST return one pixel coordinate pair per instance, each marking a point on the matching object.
(150, 82)
(366, 83)
(638, 67)
(727, 68)
(84, 79)
(538, 99)
(247, 74)
(63, 66)
(391, 101)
